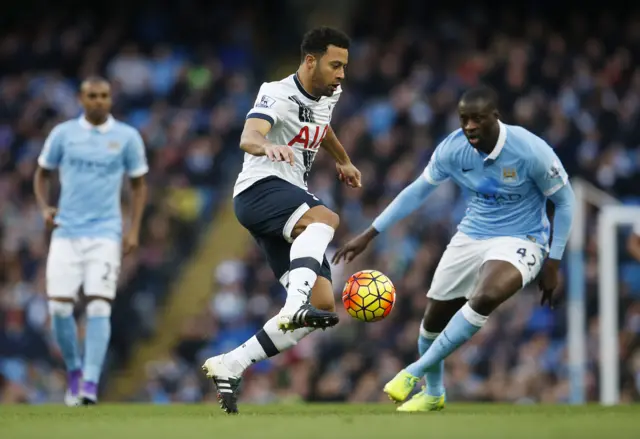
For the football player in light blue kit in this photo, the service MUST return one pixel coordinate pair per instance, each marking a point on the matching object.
(502, 242)
(91, 153)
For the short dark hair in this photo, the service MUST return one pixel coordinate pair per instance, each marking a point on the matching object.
(94, 79)
(316, 41)
(481, 92)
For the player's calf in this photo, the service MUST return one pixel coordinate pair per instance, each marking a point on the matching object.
(66, 335)
(322, 295)
(437, 315)
(98, 333)
(498, 281)
(226, 370)
(311, 235)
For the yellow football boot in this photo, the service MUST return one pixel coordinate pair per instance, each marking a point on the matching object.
(421, 402)
(400, 386)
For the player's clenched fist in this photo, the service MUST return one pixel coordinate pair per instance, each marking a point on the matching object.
(278, 153)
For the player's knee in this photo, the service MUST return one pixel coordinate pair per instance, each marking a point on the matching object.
(484, 303)
(432, 325)
(99, 308)
(60, 309)
(438, 313)
(331, 219)
(323, 215)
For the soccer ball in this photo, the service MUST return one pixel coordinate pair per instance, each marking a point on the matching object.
(369, 296)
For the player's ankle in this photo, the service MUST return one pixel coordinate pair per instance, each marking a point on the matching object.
(233, 364)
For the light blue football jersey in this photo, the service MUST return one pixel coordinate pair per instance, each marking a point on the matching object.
(508, 188)
(92, 161)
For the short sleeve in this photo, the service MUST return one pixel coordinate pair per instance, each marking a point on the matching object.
(547, 171)
(269, 104)
(436, 171)
(51, 154)
(135, 158)
(636, 228)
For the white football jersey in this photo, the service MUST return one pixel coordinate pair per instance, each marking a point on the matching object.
(297, 119)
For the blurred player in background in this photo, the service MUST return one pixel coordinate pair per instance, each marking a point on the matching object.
(501, 245)
(287, 126)
(92, 153)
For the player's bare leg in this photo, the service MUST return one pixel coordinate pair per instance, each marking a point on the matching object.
(66, 335)
(499, 280)
(226, 370)
(437, 315)
(311, 235)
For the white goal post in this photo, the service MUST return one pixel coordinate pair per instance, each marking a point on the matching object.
(609, 219)
(588, 195)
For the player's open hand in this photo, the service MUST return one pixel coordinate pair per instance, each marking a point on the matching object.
(351, 249)
(130, 242)
(349, 174)
(549, 282)
(279, 153)
(49, 216)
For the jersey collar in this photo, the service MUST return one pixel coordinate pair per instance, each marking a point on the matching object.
(301, 89)
(502, 138)
(103, 128)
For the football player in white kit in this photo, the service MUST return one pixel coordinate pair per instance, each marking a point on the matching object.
(284, 131)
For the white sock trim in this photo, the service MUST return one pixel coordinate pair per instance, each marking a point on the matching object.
(99, 308)
(426, 334)
(323, 228)
(60, 309)
(473, 317)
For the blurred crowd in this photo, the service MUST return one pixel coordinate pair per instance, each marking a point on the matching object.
(189, 106)
(573, 82)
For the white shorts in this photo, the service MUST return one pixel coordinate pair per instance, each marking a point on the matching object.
(93, 263)
(459, 267)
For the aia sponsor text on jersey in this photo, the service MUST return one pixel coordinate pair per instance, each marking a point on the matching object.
(304, 137)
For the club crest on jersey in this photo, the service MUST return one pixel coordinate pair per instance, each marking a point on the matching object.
(266, 102)
(113, 145)
(509, 175)
(305, 114)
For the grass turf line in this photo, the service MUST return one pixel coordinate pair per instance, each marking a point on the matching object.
(326, 421)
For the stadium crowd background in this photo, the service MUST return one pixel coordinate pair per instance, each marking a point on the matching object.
(186, 77)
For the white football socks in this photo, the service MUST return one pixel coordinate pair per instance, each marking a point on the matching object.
(268, 342)
(307, 253)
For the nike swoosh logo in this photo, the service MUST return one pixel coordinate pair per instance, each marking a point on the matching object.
(467, 170)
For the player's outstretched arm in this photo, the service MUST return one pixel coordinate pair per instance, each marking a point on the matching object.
(403, 205)
(347, 172)
(253, 141)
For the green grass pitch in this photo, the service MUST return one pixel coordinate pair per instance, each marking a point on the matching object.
(326, 421)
